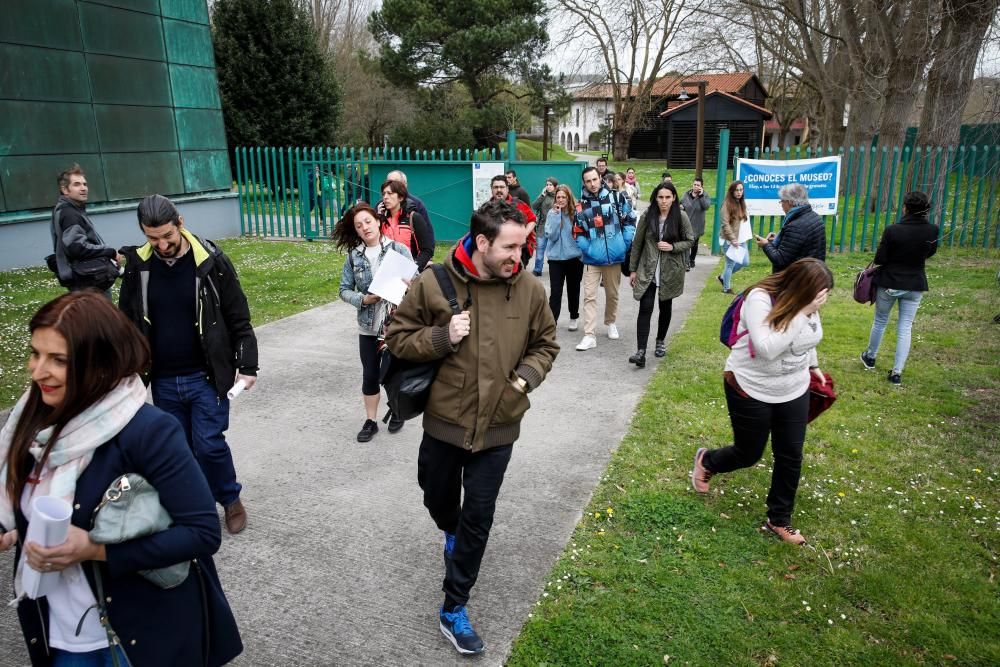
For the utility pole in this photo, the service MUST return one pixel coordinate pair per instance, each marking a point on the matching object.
(545, 132)
(700, 135)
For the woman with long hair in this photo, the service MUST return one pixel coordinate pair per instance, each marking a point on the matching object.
(733, 214)
(565, 265)
(901, 279)
(657, 264)
(402, 222)
(766, 381)
(81, 425)
(632, 187)
(359, 234)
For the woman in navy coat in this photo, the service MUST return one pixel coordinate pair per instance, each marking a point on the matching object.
(82, 424)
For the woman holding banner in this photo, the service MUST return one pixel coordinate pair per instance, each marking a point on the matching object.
(79, 428)
(733, 214)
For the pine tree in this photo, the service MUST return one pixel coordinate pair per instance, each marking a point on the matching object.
(277, 88)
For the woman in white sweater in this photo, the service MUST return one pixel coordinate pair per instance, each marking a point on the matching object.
(767, 385)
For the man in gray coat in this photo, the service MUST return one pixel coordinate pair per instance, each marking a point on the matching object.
(695, 202)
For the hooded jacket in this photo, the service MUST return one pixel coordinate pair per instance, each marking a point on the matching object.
(602, 235)
(474, 402)
(223, 318)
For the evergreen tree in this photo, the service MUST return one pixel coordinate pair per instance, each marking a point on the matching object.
(277, 88)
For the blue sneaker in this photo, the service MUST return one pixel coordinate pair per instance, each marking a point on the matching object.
(449, 544)
(456, 627)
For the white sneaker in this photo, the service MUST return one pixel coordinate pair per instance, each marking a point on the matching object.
(588, 343)
(613, 332)
(573, 325)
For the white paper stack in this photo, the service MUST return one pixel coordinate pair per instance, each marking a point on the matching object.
(389, 280)
(49, 527)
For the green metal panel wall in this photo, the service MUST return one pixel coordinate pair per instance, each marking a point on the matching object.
(126, 88)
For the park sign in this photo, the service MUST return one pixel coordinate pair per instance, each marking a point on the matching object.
(763, 178)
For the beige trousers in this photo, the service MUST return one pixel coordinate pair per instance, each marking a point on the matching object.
(592, 276)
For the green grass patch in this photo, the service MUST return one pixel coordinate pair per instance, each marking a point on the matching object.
(899, 499)
(531, 150)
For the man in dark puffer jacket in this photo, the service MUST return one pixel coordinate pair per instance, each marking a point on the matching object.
(802, 234)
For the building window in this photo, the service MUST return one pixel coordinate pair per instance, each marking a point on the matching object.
(578, 115)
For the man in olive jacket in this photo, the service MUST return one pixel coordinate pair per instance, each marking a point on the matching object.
(497, 350)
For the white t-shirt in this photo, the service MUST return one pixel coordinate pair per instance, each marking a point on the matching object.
(68, 602)
(779, 370)
(374, 256)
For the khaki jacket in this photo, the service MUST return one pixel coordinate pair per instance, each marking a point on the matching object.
(474, 403)
(673, 264)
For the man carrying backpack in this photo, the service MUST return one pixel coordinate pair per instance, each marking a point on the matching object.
(497, 348)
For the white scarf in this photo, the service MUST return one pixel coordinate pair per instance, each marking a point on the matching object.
(71, 454)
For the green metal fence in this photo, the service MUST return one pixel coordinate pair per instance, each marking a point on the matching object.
(302, 192)
(962, 181)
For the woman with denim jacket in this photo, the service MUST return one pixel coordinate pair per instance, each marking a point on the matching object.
(359, 233)
(565, 266)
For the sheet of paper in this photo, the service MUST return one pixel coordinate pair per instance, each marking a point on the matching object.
(738, 253)
(49, 526)
(388, 280)
(745, 233)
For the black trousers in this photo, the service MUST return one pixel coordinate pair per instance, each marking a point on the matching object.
(646, 314)
(368, 348)
(753, 421)
(694, 251)
(443, 471)
(569, 271)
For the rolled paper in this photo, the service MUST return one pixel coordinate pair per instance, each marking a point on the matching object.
(236, 390)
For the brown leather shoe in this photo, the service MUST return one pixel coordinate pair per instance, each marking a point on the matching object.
(236, 517)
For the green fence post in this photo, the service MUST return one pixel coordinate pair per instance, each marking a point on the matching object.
(970, 170)
(240, 189)
(872, 158)
(860, 172)
(903, 176)
(720, 186)
(257, 203)
(283, 195)
(943, 204)
(960, 159)
(933, 182)
(991, 173)
(979, 194)
(877, 204)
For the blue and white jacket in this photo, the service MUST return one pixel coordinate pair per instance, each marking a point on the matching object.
(603, 234)
(356, 277)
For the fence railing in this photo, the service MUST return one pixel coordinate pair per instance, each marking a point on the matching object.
(302, 192)
(963, 183)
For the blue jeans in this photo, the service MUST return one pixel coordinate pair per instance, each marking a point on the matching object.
(192, 399)
(540, 253)
(909, 301)
(729, 268)
(99, 658)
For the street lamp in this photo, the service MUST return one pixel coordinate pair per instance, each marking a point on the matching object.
(545, 131)
(700, 136)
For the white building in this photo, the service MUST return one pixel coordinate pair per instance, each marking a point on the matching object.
(581, 128)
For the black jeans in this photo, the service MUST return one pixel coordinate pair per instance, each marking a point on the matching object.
(753, 421)
(368, 349)
(646, 314)
(570, 271)
(443, 470)
(694, 251)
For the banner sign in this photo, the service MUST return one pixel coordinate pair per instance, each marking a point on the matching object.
(763, 178)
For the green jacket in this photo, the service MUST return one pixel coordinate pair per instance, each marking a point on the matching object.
(673, 264)
(474, 403)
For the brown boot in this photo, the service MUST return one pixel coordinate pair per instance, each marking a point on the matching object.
(236, 517)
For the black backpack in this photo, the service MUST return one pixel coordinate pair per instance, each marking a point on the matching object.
(408, 383)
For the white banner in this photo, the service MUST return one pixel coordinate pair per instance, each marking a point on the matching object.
(762, 179)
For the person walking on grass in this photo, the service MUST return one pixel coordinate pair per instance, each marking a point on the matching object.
(604, 238)
(565, 266)
(497, 350)
(733, 215)
(657, 265)
(766, 381)
(359, 235)
(901, 279)
(541, 206)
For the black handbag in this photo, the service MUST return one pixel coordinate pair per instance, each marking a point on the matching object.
(408, 383)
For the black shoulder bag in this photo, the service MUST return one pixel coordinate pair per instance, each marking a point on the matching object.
(408, 383)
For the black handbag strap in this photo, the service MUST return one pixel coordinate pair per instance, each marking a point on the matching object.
(447, 287)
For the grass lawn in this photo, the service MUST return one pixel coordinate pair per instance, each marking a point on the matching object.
(899, 498)
(528, 149)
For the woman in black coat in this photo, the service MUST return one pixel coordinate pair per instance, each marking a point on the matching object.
(81, 425)
(901, 279)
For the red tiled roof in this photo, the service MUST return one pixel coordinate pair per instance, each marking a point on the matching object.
(671, 85)
(740, 100)
(797, 124)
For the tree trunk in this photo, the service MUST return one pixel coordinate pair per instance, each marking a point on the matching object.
(949, 82)
(906, 70)
(619, 143)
